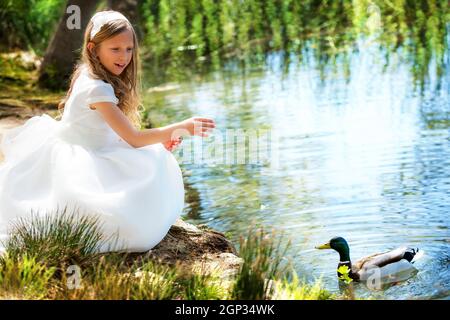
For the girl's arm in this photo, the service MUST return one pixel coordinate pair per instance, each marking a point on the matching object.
(138, 138)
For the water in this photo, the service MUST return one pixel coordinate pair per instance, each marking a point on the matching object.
(365, 156)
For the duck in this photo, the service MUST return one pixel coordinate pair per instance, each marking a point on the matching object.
(379, 268)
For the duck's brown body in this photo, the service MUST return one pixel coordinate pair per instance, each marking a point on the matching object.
(363, 266)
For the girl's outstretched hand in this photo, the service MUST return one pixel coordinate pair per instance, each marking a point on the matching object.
(199, 126)
(172, 144)
(195, 126)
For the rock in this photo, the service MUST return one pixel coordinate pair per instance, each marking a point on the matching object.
(191, 249)
(195, 250)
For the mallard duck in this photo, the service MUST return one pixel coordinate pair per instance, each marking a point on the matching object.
(392, 266)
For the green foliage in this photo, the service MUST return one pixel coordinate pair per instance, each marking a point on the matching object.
(28, 24)
(211, 31)
(326, 30)
(419, 28)
(344, 274)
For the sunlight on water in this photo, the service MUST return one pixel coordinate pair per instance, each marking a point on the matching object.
(366, 158)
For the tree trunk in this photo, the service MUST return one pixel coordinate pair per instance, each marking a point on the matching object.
(64, 48)
(130, 9)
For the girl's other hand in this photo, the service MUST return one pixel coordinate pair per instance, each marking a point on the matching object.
(199, 126)
(172, 144)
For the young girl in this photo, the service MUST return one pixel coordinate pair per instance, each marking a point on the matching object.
(95, 159)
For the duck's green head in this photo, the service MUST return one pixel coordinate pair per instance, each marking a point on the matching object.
(340, 245)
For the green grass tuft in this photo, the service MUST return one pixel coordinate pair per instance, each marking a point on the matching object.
(58, 239)
(262, 263)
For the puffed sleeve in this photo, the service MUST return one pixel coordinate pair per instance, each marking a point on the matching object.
(101, 92)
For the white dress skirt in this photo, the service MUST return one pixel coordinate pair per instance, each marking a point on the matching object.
(80, 163)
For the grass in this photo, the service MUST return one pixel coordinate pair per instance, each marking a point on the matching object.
(54, 256)
(57, 240)
(24, 277)
(113, 280)
(297, 289)
(262, 264)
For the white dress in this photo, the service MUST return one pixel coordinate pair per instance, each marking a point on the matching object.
(80, 162)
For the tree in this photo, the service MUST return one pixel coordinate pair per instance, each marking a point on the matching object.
(64, 48)
(130, 9)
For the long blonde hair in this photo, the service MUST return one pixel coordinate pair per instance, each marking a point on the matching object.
(126, 85)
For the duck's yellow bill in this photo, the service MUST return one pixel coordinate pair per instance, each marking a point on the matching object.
(324, 246)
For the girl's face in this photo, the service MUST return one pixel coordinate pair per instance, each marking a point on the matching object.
(116, 52)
